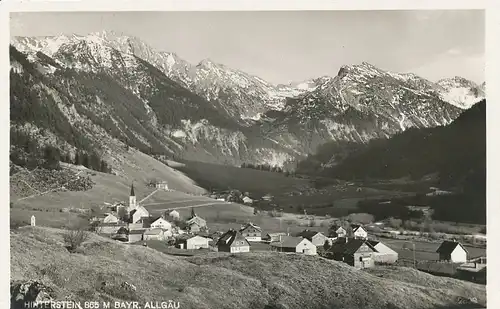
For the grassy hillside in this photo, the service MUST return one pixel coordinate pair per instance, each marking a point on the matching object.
(218, 281)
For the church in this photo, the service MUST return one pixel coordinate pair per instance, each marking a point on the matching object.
(135, 211)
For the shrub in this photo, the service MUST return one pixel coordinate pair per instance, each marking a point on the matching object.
(74, 238)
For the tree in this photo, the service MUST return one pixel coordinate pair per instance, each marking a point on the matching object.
(123, 214)
(74, 238)
(326, 246)
(51, 157)
(77, 159)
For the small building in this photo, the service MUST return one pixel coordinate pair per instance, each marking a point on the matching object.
(154, 234)
(162, 224)
(251, 232)
(135, 235)
(355, 252)
(196, 224)
(452, 251)
(162, 185)
(317, 238)
(247, 200)
(33, 220)
(232, 241)
(174, 215)
(138, 214)
(294, 244)
(383, 254)
(194, 242)
(110, 218)
(270, 237)
(359, 232)
(341, 232)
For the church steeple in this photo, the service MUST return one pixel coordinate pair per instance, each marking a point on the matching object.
(192, 213)
(132, 201)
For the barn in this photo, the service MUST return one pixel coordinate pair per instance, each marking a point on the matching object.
(294, 244)
(383, 254)
(452, 251)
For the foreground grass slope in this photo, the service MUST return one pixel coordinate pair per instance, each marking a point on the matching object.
(217, 280)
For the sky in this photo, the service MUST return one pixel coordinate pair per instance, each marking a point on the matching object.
(285, 46)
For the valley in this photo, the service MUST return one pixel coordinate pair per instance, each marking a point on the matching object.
(138, 175)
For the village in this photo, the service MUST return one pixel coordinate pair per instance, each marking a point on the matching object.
(354, 245)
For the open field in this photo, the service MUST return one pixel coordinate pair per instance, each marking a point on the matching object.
(224, 177)
(290, 194)
(112, 188)
(217, 281)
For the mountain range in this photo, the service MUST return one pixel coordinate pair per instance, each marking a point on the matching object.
(105, 91)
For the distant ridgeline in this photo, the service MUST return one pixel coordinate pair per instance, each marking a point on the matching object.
(456, 152)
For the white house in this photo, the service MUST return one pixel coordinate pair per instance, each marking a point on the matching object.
(251, 232)
(196, 242)
(359, 232)
(162, 185)
(138, 213)
(294, 244)
(110, 218)
(452, 251)
(154, 234)
(383, 254)
(247, 200)
(174, 214)
(162, 224)
(341, 232)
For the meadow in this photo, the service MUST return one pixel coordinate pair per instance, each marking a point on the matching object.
(218, 280)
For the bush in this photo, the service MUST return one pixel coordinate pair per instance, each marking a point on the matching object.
(74, 238)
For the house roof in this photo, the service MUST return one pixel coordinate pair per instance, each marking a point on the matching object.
(349, 247)
(140, 231)
(250, 225)
(288, 242)
(117, 224)
(230, 236)
(449, 246)
(356, 227)
(156, 231)
(277, 234)
(308, 234)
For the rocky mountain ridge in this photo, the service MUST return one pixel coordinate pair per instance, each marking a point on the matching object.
(132, 94)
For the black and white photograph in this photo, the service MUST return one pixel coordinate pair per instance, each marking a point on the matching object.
(301, 159)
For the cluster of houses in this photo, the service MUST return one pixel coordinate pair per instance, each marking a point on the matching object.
(355, 250)
(134, 223)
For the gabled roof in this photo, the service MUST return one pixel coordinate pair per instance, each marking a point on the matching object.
(308, 234)
(449, 246)
(276, 234)
(355, 227)
(230, 236)
(156, 231)
(288, 242)
(349, 247)
(250, 225)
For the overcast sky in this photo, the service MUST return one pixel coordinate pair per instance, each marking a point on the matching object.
(294, 46)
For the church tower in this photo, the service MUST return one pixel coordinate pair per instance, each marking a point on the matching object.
(132, 202)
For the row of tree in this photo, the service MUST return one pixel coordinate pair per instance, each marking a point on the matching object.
(265, 167)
